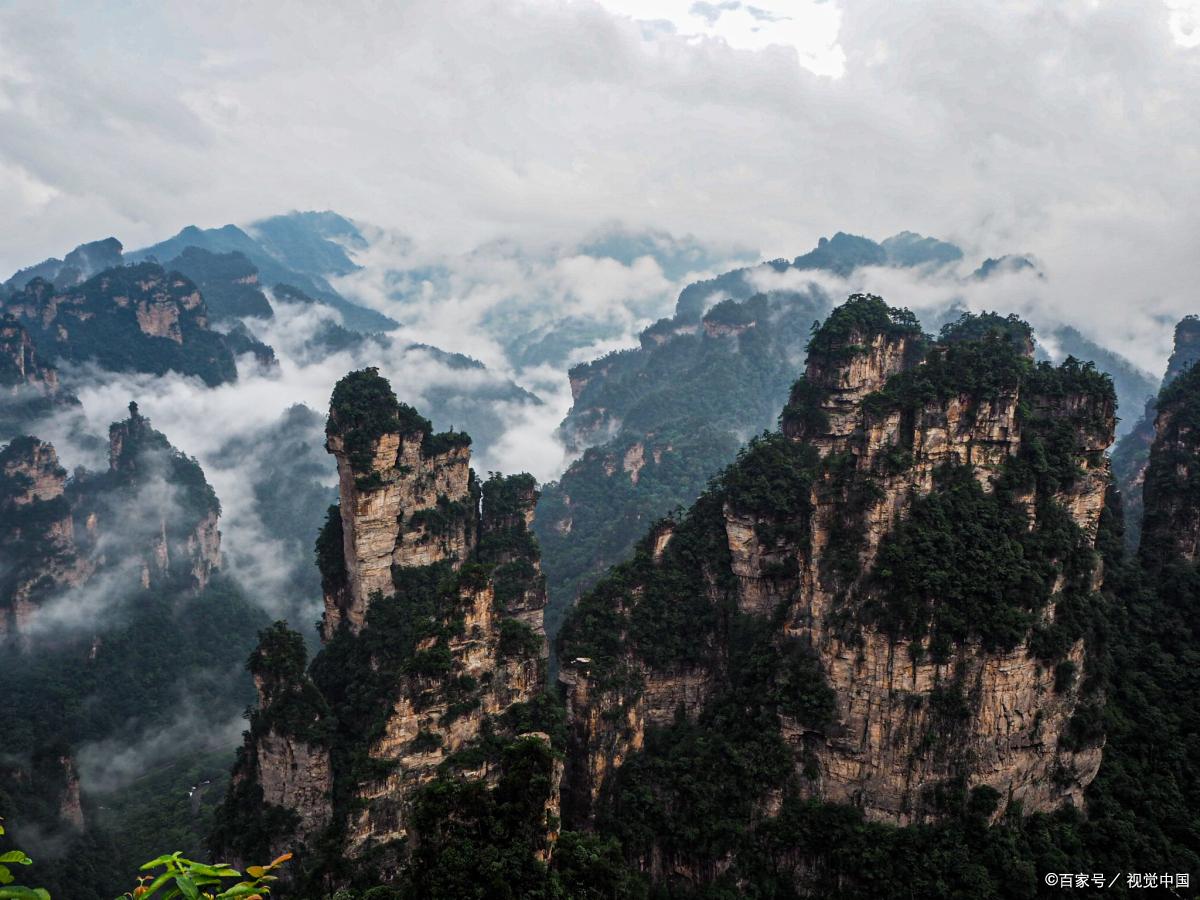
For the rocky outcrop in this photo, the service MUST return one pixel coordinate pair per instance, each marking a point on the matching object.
(434, 641)
(152, 513)
(29, 387)
(37, 538)
(883, 438)
(182, 538)
(127, 318)
(70, 806)
(228, 281)
(405, 501)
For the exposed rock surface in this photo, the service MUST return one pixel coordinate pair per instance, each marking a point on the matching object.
(228, 281)
(133, 318)
(37, 538)
(433, 634)
(29, 387)
(880, 421)
(151, 514)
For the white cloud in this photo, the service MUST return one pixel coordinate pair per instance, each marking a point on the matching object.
(1068, 130)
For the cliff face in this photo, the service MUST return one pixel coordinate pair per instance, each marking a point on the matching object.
(165, 500)
(434, 650)
(139, 318)
(29, 387)
(409, 505)
(38, 537)
(1171, 528)
(1131, 456)
(152, 512)
(655, 423)
(914, 553)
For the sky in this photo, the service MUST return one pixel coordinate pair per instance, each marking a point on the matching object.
(1069, 130)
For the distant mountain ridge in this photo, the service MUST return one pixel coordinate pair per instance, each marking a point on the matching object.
(293, 249)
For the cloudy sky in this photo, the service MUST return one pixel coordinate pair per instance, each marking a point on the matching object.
(1067, 129)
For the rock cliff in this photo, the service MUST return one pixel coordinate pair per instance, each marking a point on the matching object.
(29, 387)
(1171, 528)
(1131, 455)
(896, 589)
(228, 281)
(37, 539)
(152, 514)
(434, 656)
(127, 318)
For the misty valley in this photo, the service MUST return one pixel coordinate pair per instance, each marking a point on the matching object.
(333, 569)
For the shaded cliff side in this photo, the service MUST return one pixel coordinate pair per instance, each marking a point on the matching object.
(423, 711)
(1131, 455)
(886, 605)
(229, 282)
(1170, 533)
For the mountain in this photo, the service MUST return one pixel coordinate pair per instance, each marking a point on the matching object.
(654, 423)
(424, 698)
(895, 649)
(228, 281)
(120, 643)
(1131, 455)
(661, 420)
(838, 255)
(908, 565)
(312, 243)
(29, 387)
(295, 249)
(79, 265)
(1134, 386)
(137, 318)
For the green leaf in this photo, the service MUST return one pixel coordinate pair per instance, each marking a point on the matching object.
(161, 861)
(23, 893)
(15, 856)
(213, 871)
(188, 887)
(240, 890)
(6, 876)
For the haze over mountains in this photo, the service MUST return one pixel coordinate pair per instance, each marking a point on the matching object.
(623, 370)
(299, 299)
